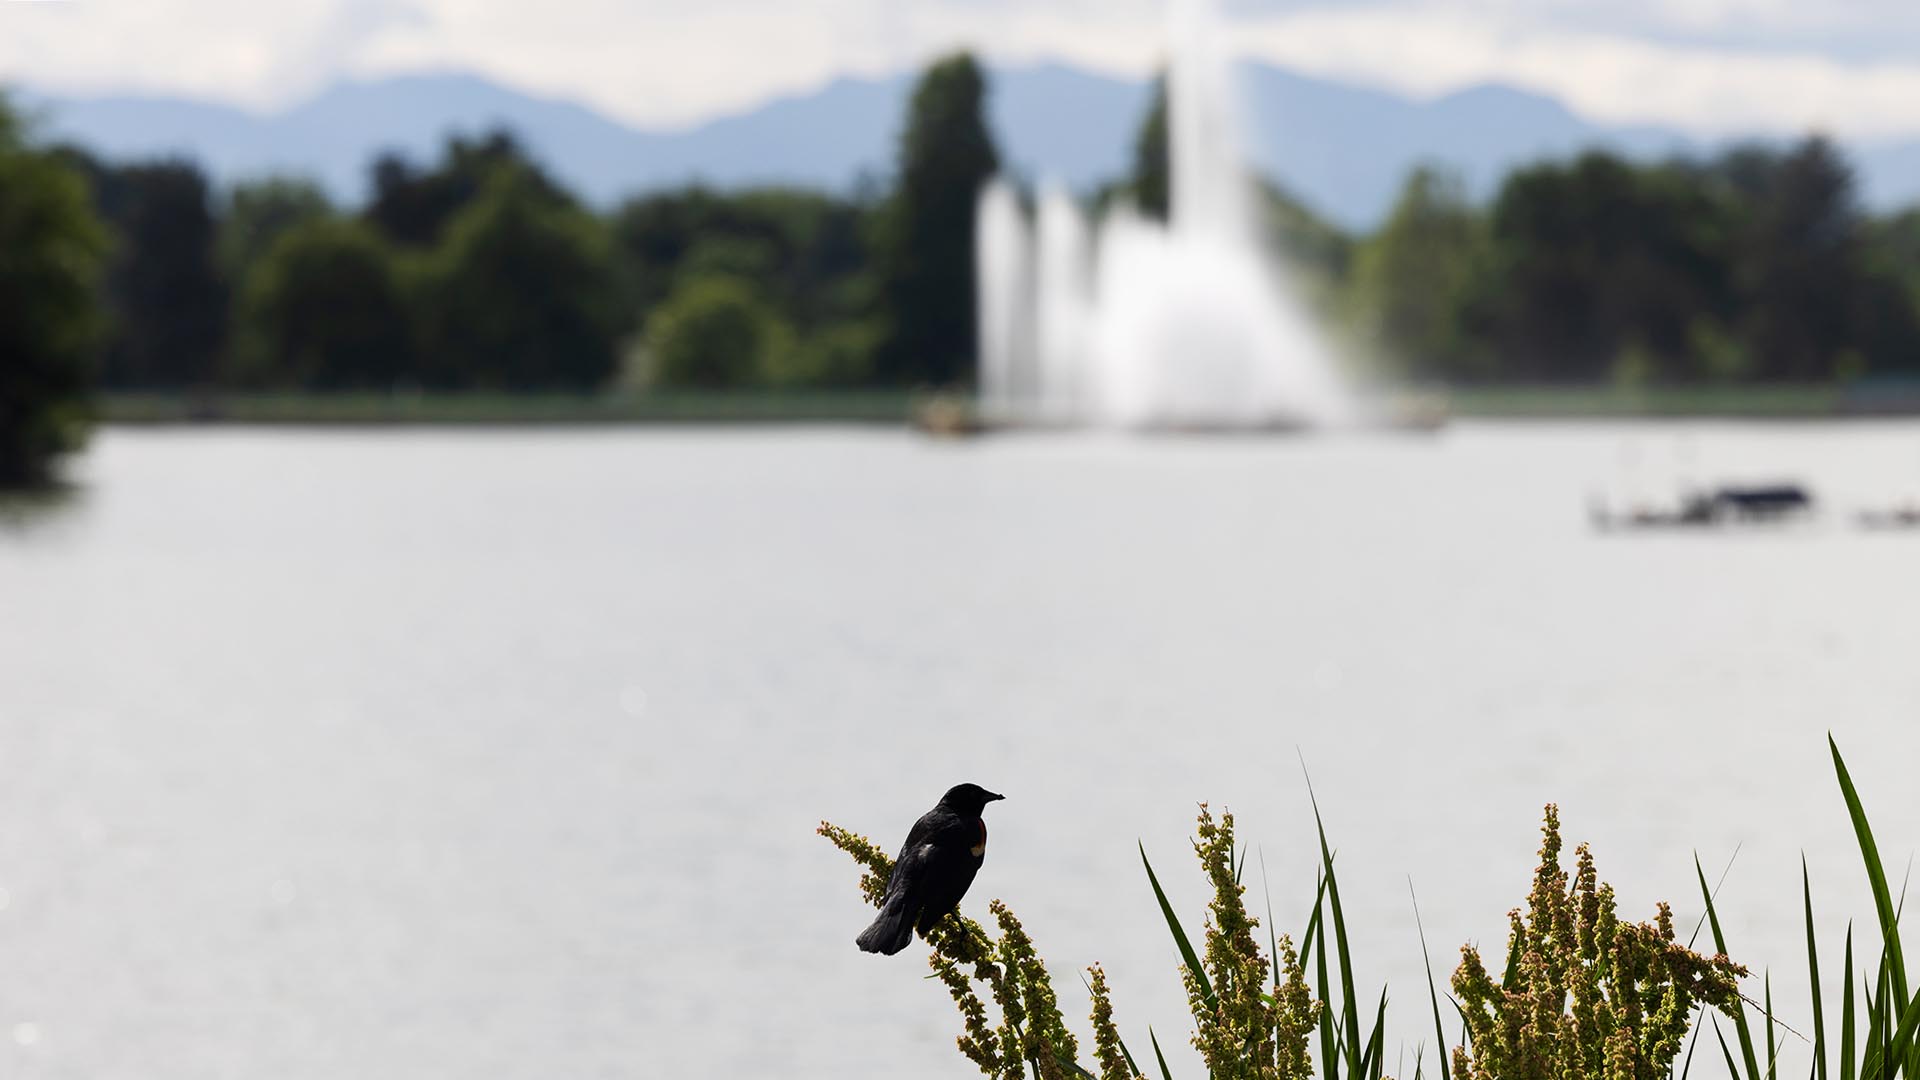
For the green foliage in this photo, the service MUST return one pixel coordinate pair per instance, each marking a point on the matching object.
(1245, 1024)
(1714, 352)
(715, 333)
(926, 247)
(1879, 1039)
(257, 212)
(1755, 266)
(1583, 994)
(413, 206)
(165, 294)
(1108, 1051)
(1744, 272)
(1801, 246)
(1591, 257)
(1413, 274)
(521, 295)
(51, 246)
(1893, 244)
(803, 249)
(1243, 1027)
(838, 355)
(1586, 996)
(804, 255)
(324, 310)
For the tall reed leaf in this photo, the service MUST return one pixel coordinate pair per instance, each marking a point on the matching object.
(1739, 1011)
(1813, 976)
(1433, 994)
(1877, 877)
(1349, 1011)
(1173, 923)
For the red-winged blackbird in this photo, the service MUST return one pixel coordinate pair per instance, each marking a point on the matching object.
(936, 864)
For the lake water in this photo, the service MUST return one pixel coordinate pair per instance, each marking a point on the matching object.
(471, 754)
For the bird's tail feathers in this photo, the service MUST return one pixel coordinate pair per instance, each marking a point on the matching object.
(891, 930)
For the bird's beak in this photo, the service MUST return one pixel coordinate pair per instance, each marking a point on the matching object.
(991, 797)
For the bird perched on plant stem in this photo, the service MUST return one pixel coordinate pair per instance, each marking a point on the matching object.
(936, 864)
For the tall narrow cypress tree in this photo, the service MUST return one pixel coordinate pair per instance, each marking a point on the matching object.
(926, 244)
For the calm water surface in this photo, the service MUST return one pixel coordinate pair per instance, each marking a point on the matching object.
(453, 754)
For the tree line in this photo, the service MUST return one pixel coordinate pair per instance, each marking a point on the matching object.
(480, 271)
(1756, 265)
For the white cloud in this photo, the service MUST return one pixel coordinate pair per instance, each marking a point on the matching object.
(1707, 65)
(1605, 76)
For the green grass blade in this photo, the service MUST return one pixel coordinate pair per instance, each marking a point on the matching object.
(1876, 1023)
(1313, 920)
(1870, 1046)
(1329, 1043)
(1165, 1073)
(1732, 1069)
(1132, 1065)
(1813, 976)
(1740, 1027)
(1884, 1041)
(1373, 1059)
(1693, 1040)
(1433, 993)
(1903, 1037)
(1773, 1048)
(1846, 1010)
(1350, 1011)
(1173, 923)
(1877, 877)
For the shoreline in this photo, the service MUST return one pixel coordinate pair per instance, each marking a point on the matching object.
(1770, 402)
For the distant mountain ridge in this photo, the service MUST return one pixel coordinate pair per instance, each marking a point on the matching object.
(1344, 149)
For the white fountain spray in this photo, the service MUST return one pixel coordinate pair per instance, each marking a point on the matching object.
(1184, 325)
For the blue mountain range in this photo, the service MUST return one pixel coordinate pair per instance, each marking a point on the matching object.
(1343, 149)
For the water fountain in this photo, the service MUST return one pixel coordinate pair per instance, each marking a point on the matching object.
(1135, 323)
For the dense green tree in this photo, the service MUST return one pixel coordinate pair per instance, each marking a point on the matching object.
(1595, 260)
(167, 298)
(50, 250)
(926, 245)
(413, 206)
(521, 295)
(323, 310)
(1813, 303)
(715, 333)
(257, 212)
(1413, 274)
(805, 252)
(838, 355)
(802, 247)
(1895, 244)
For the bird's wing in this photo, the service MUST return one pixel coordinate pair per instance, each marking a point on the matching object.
(909, 868)
(922, 846)
(923, 830)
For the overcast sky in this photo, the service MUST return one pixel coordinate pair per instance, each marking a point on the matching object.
(1851, 67)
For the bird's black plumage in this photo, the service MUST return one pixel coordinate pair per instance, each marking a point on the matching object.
(943, 851)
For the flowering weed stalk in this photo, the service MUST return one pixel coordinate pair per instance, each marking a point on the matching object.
(1585, 996)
